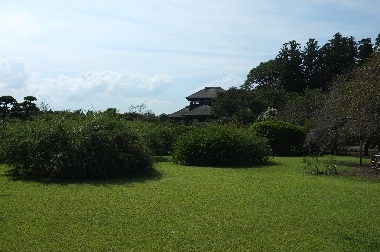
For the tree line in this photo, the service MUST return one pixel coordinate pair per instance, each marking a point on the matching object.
(295, 68)
(10, 108)
(332, 91)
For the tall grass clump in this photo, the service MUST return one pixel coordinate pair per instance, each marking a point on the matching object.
(220, 145)
(82, 147)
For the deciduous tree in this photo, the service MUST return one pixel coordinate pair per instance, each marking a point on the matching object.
(352, 108)
(265, 75)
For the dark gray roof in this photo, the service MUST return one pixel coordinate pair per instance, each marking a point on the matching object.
(179, 113)
(203, 110)
(206, 93)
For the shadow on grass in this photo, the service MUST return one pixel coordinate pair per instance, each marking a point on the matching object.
(132, 178)
(163, 158)
(254, 166)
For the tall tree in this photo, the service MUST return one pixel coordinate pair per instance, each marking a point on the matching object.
(311, 64)
(338, 56)
(365, 50)
(290, 60)
(377, 44)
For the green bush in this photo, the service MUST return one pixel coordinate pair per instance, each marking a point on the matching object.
(159, 137)
(154, 134)
(81, 147)
(220, 145)
(284, 138)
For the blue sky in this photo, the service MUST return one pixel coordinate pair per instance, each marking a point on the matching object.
(102, 54)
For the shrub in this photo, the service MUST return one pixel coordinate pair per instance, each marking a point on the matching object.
(84, 147)
(284, 138)
(154, 134)
(316, 166)
(159, 137)
(220, 145)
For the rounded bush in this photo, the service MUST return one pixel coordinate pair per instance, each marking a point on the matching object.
(92, 147)
(284, 138)
(218, 145)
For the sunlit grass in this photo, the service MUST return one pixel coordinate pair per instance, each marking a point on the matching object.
(276, 207)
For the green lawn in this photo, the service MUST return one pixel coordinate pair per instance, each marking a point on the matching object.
(277, 207)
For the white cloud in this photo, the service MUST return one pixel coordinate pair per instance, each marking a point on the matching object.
(105, 89)
(101, 89)
(225, 82)
(13, 73)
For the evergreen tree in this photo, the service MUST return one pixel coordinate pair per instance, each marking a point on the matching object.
(365, 50)
(311, 64)
(291, 68)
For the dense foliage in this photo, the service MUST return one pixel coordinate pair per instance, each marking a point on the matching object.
(237, 105)
(351, 109)
(218, 145)
(301, 109)
(80, 147)
(295, 69)
(284, 138)
(159, 137)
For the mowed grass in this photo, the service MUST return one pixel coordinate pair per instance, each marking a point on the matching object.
(276, 207)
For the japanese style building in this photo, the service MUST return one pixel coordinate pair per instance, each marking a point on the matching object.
(199, 109)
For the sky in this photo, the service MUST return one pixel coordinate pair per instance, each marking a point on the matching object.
(95, 54)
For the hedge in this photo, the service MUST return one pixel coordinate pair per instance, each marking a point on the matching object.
(220, 145)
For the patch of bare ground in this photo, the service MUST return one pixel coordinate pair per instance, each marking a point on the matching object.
(364, 171)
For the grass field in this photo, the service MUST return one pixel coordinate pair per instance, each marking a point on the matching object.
(276, 207)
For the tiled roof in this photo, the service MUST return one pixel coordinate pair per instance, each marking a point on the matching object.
(203, 110)
(179, 113)
(206, 93)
